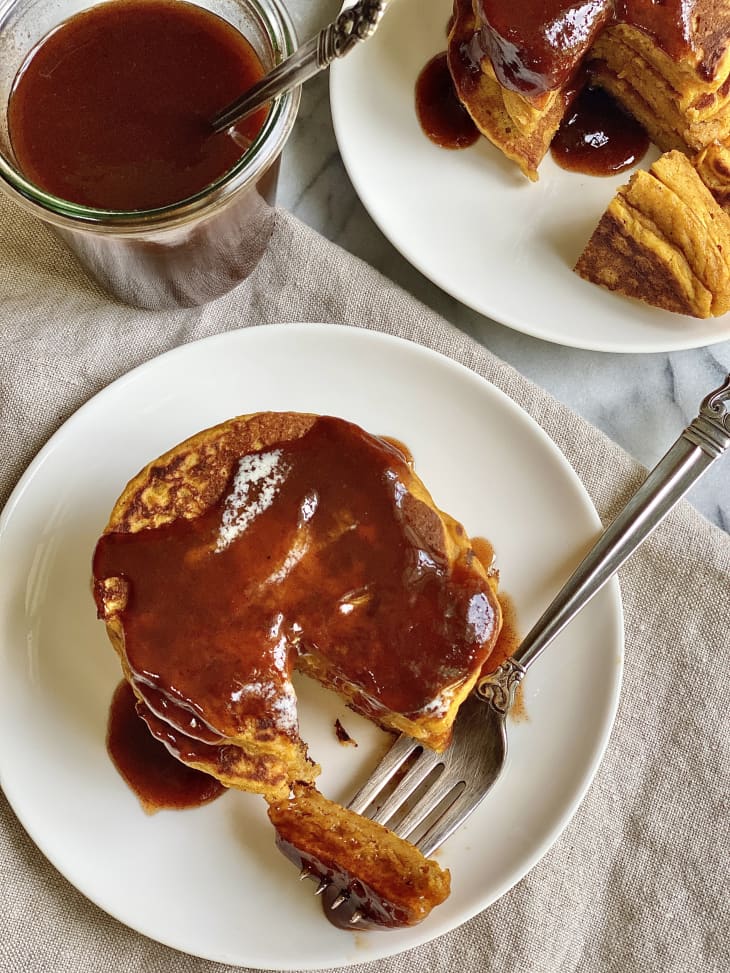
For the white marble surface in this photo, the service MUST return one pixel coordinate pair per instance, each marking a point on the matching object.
(640, 401)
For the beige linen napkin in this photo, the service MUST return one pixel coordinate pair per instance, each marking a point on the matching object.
(638, 880)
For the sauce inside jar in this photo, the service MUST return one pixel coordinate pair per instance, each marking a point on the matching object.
(112, 109)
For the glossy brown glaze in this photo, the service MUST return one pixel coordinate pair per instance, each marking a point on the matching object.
(111, 110)
(327, 552)
(597, 137)
(536, 45)
(156, 777)
(442, 116)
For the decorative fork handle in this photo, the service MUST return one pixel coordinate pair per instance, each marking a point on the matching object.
(353, 25)
(701, 443)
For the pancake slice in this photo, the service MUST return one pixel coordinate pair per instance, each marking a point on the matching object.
(521, 128)
(388, 880)
(663, 240)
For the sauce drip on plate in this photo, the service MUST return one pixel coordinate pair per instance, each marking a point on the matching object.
(597, 137)
(442, 116)
(157, 778)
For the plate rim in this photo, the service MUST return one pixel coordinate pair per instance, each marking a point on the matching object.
(611, 590)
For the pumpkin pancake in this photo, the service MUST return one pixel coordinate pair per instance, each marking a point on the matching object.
(277, 541)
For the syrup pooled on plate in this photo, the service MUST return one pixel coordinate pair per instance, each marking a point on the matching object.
(442, 116)
(597, 137)
(159, 780)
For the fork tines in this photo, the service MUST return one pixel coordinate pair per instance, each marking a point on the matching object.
(436, 792)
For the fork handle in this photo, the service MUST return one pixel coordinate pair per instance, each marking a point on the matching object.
(701, 443)
(354, 24)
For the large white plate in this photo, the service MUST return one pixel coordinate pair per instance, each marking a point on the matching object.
(209, 881)
(469, 220)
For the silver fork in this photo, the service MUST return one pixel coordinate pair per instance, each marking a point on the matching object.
(475, 758)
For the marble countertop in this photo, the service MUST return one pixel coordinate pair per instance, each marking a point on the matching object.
(641, 401)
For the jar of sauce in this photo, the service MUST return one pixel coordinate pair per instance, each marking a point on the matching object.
(123, 166)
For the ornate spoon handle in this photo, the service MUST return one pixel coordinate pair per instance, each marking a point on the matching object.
(353, 25)
(701, 443)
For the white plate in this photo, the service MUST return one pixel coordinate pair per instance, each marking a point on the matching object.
(469, 220)
(209, 881)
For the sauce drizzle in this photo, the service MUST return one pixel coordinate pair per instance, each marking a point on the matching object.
(158, 779)
(597, 137)
(442, 116)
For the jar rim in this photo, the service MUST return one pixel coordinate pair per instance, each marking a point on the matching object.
(256, 159)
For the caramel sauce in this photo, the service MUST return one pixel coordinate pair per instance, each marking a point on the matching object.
(112, 109)
(401, 447)
(156, 777)
(597, 137)
(535, 47)
(442, 116)
(316, 543)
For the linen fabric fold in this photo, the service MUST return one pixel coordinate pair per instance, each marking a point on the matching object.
(637, 880)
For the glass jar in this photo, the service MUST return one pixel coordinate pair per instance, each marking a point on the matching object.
(181, 255)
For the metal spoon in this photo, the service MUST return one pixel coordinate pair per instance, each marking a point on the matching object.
(353, 25)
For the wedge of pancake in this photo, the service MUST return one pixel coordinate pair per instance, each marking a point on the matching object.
(219, 572)
(664, 240)
(386, 878)
(522, 128)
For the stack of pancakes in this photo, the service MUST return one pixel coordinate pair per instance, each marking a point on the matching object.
(670, 70)
(517, 67)
(277, 541)
(668, 64)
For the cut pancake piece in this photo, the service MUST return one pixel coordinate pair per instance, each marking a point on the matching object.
(388, 880)
(521, 128)
(679, 106)
(665, 241)
(278, 541)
